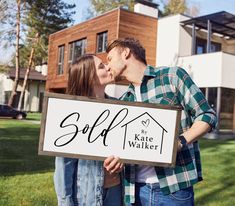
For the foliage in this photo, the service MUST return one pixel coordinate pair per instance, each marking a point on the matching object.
(175, 7)
(44, 17)
(172, 7)
(102, 6)
(169, 7)
(4, 68)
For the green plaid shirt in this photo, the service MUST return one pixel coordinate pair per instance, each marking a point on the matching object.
(172, 86)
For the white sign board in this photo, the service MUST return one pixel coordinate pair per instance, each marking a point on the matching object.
(80, 127)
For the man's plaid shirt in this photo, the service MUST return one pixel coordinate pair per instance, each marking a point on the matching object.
(173, 86)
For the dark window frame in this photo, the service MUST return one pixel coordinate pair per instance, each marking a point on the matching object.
(104, 37)
(202, 44)
(72, 47)
(60, 64)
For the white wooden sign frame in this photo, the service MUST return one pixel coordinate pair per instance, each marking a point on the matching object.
(90, 128)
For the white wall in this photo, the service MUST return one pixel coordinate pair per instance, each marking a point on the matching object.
(204, 69)
(228, 67)
(207, 70)
(2, 94)
(5, 85)
(42, 69)
(32, 94)
(146, 10)
(171, 38)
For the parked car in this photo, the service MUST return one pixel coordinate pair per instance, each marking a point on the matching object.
(7, 111)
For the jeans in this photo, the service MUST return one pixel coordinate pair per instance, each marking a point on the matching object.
(112, 196)
(151, 195)
(78, 182)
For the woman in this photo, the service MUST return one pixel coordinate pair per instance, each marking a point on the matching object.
(86, 182)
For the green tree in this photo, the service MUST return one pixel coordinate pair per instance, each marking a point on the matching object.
(102, 6)
(43, 18)
(172, 7)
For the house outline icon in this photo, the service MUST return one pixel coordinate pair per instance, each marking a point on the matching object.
(163, 129)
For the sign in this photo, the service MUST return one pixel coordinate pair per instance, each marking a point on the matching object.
(89, 128)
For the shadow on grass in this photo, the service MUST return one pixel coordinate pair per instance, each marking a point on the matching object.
(19, 150)
(218, 169)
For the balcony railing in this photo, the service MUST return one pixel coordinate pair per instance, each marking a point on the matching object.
(211, 69)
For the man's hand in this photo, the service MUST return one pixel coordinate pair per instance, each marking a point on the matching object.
(113, 164)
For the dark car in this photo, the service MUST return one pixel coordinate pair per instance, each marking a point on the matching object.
(7, 111)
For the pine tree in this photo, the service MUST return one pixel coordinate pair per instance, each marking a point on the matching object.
(43, 18)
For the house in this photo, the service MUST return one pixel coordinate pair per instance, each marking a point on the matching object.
(34, 91)
(92, 36)
(205, 47)
(144, 132)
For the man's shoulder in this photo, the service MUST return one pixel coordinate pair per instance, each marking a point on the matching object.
(166, 70)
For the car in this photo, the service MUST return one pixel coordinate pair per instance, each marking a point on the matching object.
(8, 111)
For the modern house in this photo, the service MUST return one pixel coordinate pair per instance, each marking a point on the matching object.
(205, 47)
(92, 36)
(34, 91)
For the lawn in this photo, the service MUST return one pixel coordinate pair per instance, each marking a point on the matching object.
(33, 116)
(27, 179)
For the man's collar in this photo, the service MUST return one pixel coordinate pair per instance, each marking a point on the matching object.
(149, 72)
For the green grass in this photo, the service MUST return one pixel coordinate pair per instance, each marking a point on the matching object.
(33, 116)
(27, 179)
(218, 161)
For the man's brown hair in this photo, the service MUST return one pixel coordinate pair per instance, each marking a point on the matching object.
(133, 44)
(82, 76)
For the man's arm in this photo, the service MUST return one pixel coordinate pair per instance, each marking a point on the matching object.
(197, 130)
(195, 105)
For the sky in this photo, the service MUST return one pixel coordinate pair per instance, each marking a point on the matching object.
(205, 7)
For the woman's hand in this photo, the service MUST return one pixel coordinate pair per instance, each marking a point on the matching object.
(113, 164)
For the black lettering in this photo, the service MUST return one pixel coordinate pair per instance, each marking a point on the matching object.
(63, 125)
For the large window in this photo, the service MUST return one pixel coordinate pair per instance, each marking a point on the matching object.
(201, 45)
(60, 68)
(76, 49)
(102, 42)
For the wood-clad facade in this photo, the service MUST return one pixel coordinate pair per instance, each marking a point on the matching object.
(114, 24)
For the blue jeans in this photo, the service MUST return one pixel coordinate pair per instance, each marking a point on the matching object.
(151, 195)
(112, 196)
(80, 182)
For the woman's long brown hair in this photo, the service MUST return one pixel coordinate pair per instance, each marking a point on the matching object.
(82, 76)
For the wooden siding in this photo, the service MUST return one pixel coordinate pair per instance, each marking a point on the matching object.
(143, 28)
(119, 23)
(88, 30)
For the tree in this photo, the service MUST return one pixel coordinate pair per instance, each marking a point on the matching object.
(3, 11)
(178, 7)
(102, 6)
(43, 18)
(17, 69)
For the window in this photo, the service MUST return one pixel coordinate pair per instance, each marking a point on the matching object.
(60, 68)
(76, 49)
(101, 42)
(201, 45)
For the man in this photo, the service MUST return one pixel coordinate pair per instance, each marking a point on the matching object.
(147, 185)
